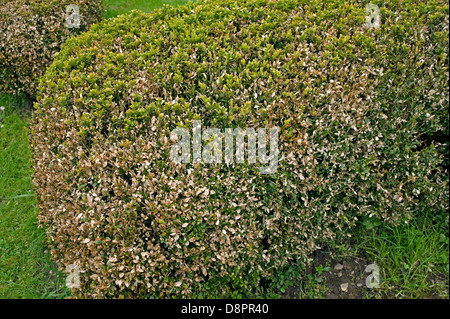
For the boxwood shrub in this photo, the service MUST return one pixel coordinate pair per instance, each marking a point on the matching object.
(363, 127)
(31, 33)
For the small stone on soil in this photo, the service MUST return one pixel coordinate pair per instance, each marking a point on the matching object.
(344, 287)
(338, 267)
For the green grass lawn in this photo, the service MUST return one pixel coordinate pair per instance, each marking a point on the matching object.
(413, 258)
(25, 270)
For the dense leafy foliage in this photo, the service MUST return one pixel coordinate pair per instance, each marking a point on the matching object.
(362, 115)
(31, 33)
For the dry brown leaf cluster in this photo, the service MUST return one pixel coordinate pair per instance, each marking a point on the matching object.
(31, 34)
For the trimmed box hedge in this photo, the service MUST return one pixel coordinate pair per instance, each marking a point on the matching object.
(31, 34)
(361, 113)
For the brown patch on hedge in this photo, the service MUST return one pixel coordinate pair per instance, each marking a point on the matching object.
(31, 33)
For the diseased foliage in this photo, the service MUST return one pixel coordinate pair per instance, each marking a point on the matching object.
(31, 33)
(359, 111)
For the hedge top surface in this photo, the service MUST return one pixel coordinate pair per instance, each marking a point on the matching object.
(354, 108)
